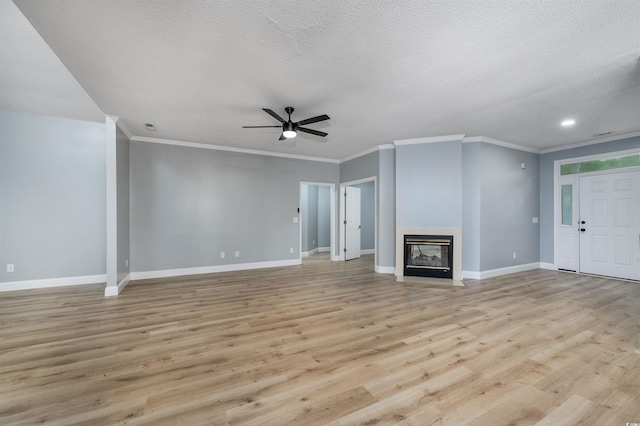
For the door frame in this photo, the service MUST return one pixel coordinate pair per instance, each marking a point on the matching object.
(332, 216)
(573, 179)
(374, 179)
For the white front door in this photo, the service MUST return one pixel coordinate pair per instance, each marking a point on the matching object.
(609, 225)
(352, 225)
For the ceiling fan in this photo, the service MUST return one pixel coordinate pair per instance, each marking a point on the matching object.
(291, 129)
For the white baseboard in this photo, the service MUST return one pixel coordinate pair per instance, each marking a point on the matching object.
(110, 291)
(385, 269)
(323, 249)
(52, 282)
(368, 251)
(310, 253)
(549, 266)
(212, 269)
(490, 273)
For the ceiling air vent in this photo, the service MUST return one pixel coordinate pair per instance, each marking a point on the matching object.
(599, 135)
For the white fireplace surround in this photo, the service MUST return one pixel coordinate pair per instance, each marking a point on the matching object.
(457, 246)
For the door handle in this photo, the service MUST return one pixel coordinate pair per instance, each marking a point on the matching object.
(582, 229)
(582, 222)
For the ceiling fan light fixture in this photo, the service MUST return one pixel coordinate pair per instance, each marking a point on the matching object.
(289, 130)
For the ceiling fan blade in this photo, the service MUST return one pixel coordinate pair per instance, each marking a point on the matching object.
(281, 138)
(274, 115)
(258, 127)
(313, 132)
(313, 119)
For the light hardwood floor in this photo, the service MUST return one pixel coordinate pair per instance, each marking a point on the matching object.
(324, 343)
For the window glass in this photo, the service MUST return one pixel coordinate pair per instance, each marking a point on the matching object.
(567, 205)
(597, 165)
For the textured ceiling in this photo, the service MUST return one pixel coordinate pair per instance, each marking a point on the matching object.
(510, 70)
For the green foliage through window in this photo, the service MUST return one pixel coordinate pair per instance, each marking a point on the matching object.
(597, 165)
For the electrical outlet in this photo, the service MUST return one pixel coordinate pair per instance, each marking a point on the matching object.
(237, 254)
(313, 242)
(291, 250)
(514, 254)
(10, 267)
(221, 255)
(126, 263)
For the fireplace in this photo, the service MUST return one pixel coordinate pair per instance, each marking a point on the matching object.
(428, 256)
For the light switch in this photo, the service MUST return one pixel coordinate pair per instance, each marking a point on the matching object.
(534, 220)
(295, 219)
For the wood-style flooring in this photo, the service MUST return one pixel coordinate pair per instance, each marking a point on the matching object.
(324, 343)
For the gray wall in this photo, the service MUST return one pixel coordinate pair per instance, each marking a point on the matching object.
(52, 197)
(429, 184)
(315, 217)
(324, 217)
(509, 201)
(309, 217)
(386, 250)
(360, 168)
(546, 185)
(122, 157)
(367, 215)
(471, 205)
(189, 204)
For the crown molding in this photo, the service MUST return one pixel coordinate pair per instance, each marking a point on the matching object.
(367, 151)
(491, 141)
(359, 154)
(124, 129)
(230, 149)
(592, 142)
(431, 139)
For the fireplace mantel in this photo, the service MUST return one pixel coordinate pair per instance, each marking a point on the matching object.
(457, 246)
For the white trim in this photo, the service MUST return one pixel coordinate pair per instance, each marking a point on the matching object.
(601, 156)
(592, 142)
(491, 141)
(548, 266)
(431, 139)
(360, 154)
(110, 291)
(368, 251)
(230, 149)
(385, 269)
(367, 151)
(491, 273)
(310, 253)
(324, 249)
(212, 269)
(52, 282)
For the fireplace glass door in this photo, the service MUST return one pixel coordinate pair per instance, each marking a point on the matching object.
(428, 256)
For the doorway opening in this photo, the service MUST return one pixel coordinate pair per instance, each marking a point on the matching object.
(358, 219)
(316, 228)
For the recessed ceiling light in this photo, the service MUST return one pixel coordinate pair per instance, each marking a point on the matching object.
(568, 122)
(150, 126)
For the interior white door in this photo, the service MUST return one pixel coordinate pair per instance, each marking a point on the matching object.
(352, 225)
(610, 225)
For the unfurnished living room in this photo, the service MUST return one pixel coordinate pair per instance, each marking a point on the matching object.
(320, 212)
